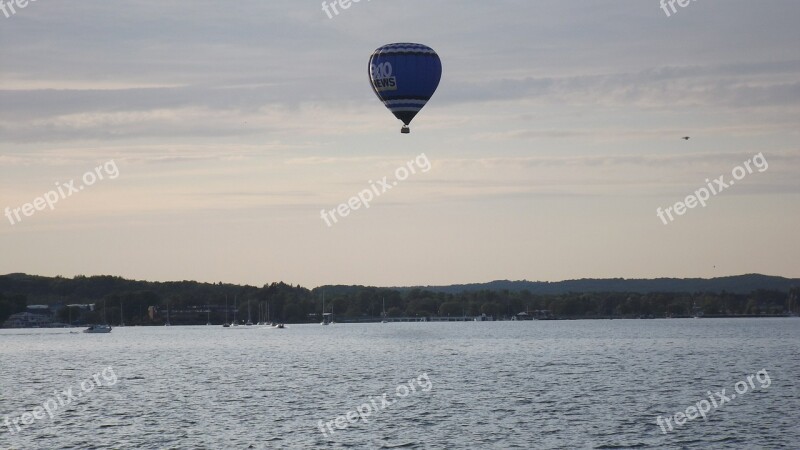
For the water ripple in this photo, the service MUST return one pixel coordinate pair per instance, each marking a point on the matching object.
(549, 385)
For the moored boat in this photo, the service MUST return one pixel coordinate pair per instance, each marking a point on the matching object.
(98, 329)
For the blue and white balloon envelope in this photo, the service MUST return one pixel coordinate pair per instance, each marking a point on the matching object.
(405, 76)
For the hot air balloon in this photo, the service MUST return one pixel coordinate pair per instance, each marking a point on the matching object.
(404, 77)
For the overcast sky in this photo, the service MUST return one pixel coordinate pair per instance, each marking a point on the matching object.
(553, 138)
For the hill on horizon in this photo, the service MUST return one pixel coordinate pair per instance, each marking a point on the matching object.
(36, 285)
(739, 284)
(193, 302)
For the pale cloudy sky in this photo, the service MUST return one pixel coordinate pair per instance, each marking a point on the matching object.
(553, 138)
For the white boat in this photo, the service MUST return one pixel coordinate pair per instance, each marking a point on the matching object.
(236, 305)
(384, 312)
(226, 324)
(324, 316)
(249, 322)
(100, 328)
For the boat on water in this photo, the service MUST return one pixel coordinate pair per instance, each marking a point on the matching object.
(226, 324)
(384, 312)
(249, 322)
(325, 320)
(100, 328)
(236, 304)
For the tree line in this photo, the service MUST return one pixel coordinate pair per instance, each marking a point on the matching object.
(190, 301)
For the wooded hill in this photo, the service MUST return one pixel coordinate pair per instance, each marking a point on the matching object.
(746, 294)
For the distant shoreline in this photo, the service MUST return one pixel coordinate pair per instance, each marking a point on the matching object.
(32, 301)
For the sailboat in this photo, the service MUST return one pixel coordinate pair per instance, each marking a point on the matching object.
(208, 315)
(324, 317)
(236, 309)
(121, 317)
(100, 328)
(167, 324)
(226, 324)
(384, 312)
(249, 322)
(269, 319)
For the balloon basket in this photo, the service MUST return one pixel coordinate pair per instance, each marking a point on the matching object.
(405, 129)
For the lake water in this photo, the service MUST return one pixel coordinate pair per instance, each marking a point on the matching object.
(542, 384)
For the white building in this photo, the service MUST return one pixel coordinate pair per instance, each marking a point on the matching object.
(28, 320)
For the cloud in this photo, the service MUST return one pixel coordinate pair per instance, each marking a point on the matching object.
(757, 84)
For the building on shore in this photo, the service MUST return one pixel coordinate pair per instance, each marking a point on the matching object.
(42, 316)
(28, 320)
